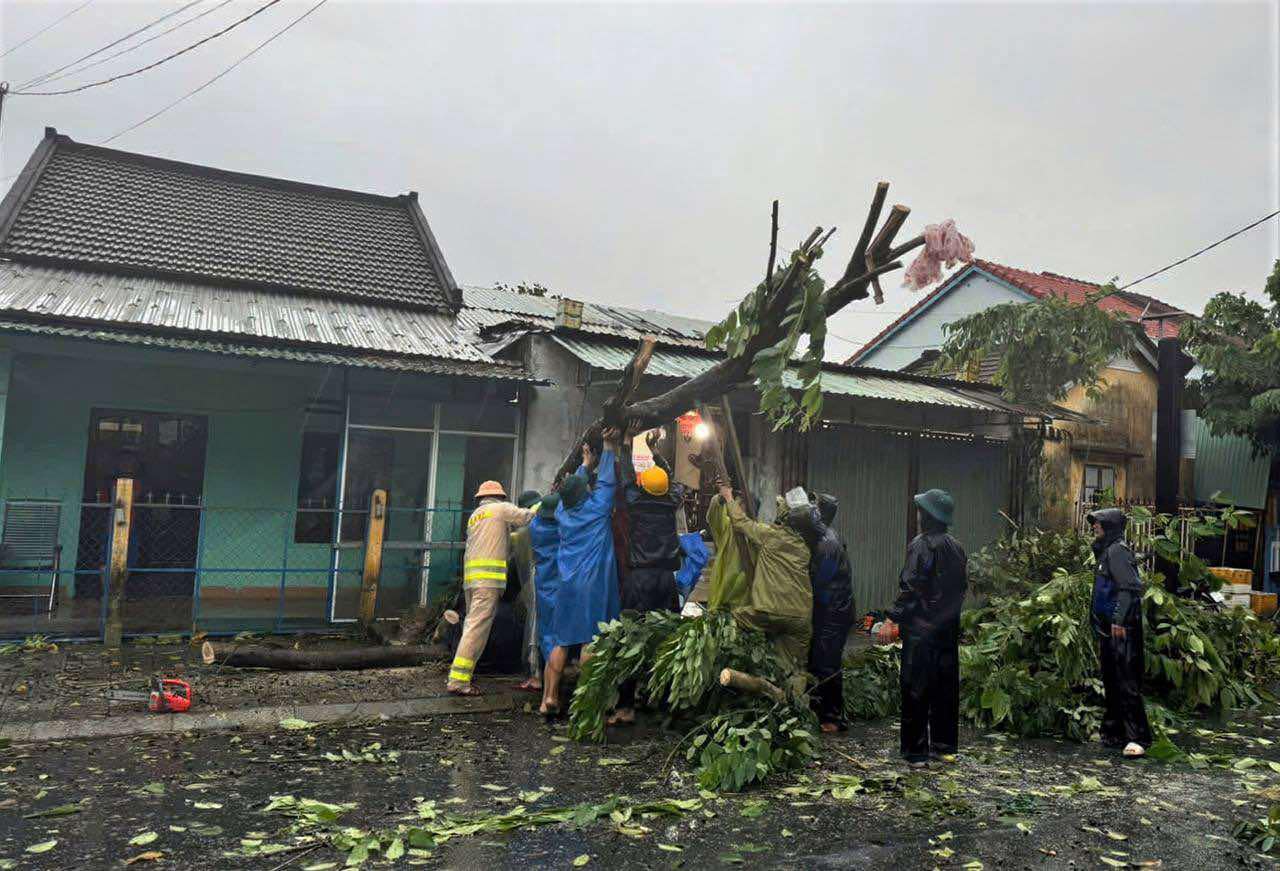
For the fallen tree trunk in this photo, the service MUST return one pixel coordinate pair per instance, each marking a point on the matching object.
(614, 408)
(287, 659)
(749, 683)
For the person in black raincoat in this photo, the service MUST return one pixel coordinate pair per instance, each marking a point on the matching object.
(927, 611)
(832, 579)
(1117, 619)
(652, 552)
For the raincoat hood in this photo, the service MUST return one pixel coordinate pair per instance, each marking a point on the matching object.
(573, 491)
(828, 505)
(547, 509)
(1113, 523)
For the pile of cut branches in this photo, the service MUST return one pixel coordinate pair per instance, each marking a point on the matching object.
(737, 739)
(1029, 661)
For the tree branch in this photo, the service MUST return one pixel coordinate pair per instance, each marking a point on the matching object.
(773, 251)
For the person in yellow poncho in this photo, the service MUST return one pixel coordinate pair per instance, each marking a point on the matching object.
(776, 596)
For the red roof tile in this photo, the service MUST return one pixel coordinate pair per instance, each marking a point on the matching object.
(1159, 319)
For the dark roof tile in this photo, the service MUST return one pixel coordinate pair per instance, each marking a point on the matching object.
(108, 209)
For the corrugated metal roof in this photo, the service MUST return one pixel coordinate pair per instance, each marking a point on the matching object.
(79, 295)
(1227, 465)
(864, 384)
(420, 365)
(489, 306)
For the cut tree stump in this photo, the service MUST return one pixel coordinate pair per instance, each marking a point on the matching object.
(749, 683)
(286, 659)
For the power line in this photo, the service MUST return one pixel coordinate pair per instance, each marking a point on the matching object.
(1201, 251)
(45, 29)
(200, 88)
(137, 45)
(232, 26)
(38, 79)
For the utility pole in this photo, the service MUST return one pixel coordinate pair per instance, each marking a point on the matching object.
(1172, 367)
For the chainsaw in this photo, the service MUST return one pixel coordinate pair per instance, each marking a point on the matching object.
(167, 696)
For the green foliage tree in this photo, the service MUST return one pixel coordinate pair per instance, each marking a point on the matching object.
(1043, 348)
(1237, 341)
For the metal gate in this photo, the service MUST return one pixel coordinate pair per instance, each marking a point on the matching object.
(867, 470)
(976, 474)
(870, 471)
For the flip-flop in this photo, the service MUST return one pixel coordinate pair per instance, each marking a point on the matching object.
(527, 686)
(550, 712)
(466, 692)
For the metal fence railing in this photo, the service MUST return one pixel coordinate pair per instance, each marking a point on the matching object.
(189, 568)
(1141, 529)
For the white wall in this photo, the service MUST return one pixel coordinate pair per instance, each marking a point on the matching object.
(974, 294)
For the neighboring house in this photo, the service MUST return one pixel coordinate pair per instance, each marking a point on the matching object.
(1116, 450)
(253, 352)
(884, 436)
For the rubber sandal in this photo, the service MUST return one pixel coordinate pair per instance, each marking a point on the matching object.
(1134, 750)
(526, 686)
(465, 692)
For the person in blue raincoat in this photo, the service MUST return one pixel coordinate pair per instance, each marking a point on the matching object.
(544, 536)
(588, 593)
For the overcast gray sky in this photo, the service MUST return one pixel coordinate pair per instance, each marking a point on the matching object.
(629, 153)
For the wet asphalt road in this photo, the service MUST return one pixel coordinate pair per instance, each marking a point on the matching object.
(1005, 803)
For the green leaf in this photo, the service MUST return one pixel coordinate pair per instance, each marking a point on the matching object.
(143, 839)
(43, 846)
(295, 724)
(581, 860)
(395, 850)
(61, 810)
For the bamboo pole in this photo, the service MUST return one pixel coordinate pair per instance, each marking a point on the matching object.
(373, 557)
(121, 523)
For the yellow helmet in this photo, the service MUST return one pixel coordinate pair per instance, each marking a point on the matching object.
(653, 481)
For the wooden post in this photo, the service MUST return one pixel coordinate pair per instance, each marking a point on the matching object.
(121, 522)
(735, 452)
(373, 557)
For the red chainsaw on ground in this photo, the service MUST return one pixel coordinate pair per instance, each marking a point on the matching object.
(167, 696)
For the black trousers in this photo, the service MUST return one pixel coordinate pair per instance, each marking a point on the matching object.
(1125, 715)
(930, 684)
(826, 654)
(646, 590)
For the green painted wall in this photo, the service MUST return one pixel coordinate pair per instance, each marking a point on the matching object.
(251, 465)
(256, 413)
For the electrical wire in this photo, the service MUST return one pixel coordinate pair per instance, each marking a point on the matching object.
(45, 29)
(38, 79)
(1201, 251)
(138, 45)
(200, 88)
(230, 27)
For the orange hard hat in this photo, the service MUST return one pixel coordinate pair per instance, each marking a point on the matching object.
(491, 488)
(654, 481)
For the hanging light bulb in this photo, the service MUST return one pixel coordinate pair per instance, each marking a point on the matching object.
(701, 430)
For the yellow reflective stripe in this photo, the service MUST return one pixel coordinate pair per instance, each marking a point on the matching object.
(498, 563)
(463, 662)
(486, 576)
(478, 516)
(460, 676)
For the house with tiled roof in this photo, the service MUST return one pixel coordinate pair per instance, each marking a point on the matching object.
(258, 356)
(1114, 449)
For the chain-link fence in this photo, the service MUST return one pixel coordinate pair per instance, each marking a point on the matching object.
(190, 568)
